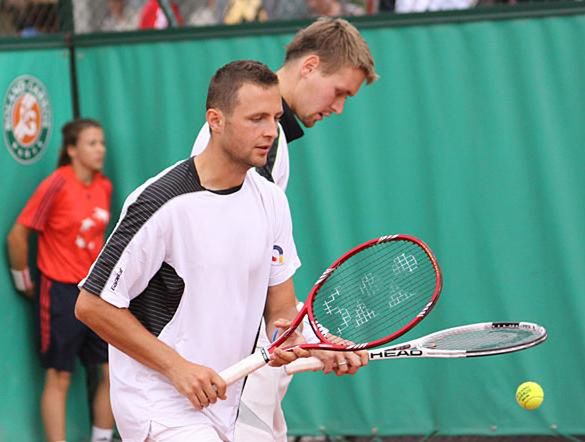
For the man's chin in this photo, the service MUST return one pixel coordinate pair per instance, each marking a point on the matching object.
(259, 162)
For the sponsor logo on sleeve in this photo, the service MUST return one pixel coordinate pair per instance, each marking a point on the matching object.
(117, 279)
(277, 255)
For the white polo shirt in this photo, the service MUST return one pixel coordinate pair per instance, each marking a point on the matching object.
(261, 417)
(194, 267)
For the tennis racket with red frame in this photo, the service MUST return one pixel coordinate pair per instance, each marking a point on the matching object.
(371, 295)
(466, 341)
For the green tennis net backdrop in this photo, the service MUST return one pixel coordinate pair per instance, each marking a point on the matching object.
(473, 139)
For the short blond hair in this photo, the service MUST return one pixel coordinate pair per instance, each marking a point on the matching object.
(337, 43)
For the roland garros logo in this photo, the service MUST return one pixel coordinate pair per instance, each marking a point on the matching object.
(27, 119)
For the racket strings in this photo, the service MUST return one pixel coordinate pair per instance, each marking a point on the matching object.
(391, 317)
(482, 340)
(378, 256)
(371, 280)
(379, 330)
(349, 271)
(379, 289)
(375, 333)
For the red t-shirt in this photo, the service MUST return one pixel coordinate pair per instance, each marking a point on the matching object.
(71, 219)
(153, 17)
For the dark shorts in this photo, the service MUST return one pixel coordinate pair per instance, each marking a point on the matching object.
(62, 336)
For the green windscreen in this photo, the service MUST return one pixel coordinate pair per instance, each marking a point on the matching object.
(472, 140)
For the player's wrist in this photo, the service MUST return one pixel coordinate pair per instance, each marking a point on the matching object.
(173, 366)
(22, 280)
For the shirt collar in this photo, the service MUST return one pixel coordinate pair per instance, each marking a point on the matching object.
(290, 125)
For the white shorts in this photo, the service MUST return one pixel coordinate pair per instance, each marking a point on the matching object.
(200, 433)
(261, 418)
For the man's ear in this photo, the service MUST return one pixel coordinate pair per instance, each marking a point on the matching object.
(72, 151)
(215, 119)
(310, 64)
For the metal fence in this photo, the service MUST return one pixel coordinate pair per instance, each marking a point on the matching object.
(31, 18)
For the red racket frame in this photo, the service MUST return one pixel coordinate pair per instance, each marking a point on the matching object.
(308, 310)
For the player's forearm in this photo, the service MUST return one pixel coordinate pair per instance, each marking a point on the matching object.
(281, 304)
(17, 242)
(287, 314)
(120, 328)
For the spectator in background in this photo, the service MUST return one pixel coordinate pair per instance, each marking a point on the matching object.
(386, 6)
(333, 8)
(85, 18)
(288, 10)
(69, 211)
(35, 19)
(121, 17)
(408, 6)
(500, 2)
(153, 16)
(243, 11)
(405, 6)
(204, 15)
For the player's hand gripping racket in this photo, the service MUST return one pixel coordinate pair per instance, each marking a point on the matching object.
(371, 295)
(482, 339)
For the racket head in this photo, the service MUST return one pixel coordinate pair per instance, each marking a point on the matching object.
(374, 293)
(485, 338)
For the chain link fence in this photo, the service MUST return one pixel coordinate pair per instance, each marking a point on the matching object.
(31, 18)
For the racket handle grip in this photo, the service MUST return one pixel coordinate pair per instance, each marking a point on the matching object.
(246, 366)
(303, 364)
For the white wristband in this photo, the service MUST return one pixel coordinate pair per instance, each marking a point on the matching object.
(21, 279)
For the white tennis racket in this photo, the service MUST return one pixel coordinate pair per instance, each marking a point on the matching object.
(481, 339)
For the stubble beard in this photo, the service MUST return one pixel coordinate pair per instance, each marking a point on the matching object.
(308, 121)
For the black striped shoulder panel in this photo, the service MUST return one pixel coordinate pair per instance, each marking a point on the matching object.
(157, 304)
(179, 180)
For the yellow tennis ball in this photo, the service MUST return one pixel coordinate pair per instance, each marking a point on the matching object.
(529, 395)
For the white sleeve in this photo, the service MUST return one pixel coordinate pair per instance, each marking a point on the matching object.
(280, 171)
(139, 262)
(285, 260)
(129, 259)
(201, 141)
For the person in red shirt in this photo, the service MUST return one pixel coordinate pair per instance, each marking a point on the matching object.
(153, 17)
(69, 211)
